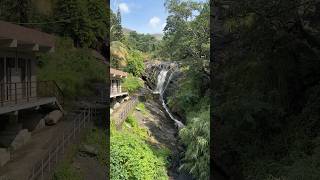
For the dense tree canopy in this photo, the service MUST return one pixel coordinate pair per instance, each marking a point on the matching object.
(22, 9)
(116, 27)
(186, 40)
(85, 21)
(142, 42)
(266, 89)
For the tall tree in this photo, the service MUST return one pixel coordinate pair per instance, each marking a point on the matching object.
(266, 86)
(187, 40)
(116, 27)
(21, 9)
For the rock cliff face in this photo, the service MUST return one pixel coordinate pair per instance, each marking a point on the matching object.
(151, 74)
(153, 69)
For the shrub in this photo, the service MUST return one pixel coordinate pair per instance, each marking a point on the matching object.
(135, 63)
(66, 172)
(142, 108)
(196, 136)
(132, 158)
(97, 138)
(73, 69)
(132, 84)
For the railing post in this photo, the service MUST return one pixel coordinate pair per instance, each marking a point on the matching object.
(84, 123)
(42, 169)
(79, 124)
(32, 173)
(15, 90)
(57, 150)
(74, 128)
(49, 163)
(62, 143)
(2, 94)
(27, 86)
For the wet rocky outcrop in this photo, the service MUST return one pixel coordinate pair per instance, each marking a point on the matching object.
(175, 76)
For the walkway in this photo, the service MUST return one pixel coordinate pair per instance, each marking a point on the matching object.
(121, 113)
(21, 162)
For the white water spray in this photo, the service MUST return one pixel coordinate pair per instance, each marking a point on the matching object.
(161, 80)
(161, 87)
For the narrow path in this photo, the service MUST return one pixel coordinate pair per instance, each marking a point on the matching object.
(23, 159)
(116, 113)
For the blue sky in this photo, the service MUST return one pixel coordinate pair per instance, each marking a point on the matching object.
(143, 16)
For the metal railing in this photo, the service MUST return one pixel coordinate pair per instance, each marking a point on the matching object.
(45, 166)
(21, 92)
(125, 112)
(116, 90)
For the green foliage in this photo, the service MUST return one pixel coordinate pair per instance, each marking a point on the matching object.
(73, 69)
(266, 93)
(186, 35)
(132, 158)
(142, 108)
(119, 55)
(136, 129)
(135, 63)
(196, 136)
(186, 40)
(66, 172)
(98, 139)
(132, 84)
(142, 42)
(85, 21)
(132, 121)
(116, 33)
(21, 8)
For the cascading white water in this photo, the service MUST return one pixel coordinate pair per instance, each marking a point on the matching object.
(161, 87)
(161, 80)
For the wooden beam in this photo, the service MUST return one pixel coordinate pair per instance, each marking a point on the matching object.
(11, 43)
(28, 47)
(46, 49)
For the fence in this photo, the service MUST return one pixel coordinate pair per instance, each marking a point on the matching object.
(45, 167)
(124, 114)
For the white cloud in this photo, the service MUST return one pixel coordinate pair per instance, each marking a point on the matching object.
(154, 22)
(124, 8)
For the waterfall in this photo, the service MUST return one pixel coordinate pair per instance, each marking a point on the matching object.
(161, 80)
(160, 89)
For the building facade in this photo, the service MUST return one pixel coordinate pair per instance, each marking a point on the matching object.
(19, 88)
(116, 77)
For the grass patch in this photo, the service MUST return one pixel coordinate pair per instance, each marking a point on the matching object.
(142, 108)
(65, 170)
(97, 138)
(135, 128)
(132, 154)
(94, 137)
